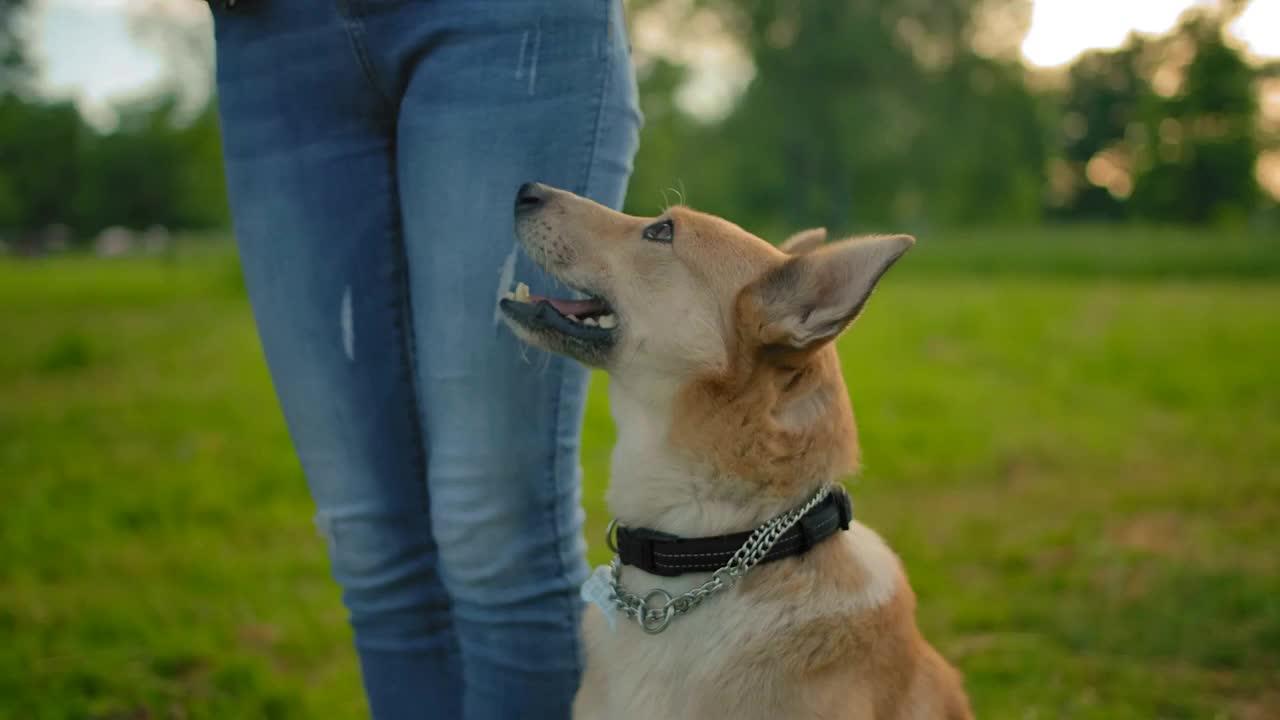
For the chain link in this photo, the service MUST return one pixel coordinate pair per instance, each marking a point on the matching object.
(654, 617)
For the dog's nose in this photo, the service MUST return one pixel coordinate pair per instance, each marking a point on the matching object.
(530, 197)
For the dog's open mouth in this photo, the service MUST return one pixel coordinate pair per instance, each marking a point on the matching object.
(592, 320)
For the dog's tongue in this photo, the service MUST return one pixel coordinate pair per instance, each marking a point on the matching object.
(571, 307)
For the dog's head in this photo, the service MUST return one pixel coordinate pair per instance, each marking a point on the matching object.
(685, 293)
(719, 345)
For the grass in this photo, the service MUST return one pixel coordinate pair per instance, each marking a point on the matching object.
(1071, 437)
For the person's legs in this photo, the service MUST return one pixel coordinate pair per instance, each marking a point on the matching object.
(310, 156)
(504, 93)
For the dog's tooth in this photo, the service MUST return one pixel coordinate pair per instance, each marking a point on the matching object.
(608, 321)
(522, 293)
(590, 322)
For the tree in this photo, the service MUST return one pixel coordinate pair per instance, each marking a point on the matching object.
(15, 72)
(1107, 93)
(39, 147)
(1164, 129)
(1200, 152)
(152, 169)
(864, 112)
(183, 40)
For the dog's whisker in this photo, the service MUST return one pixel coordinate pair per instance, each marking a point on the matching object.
(679, 193)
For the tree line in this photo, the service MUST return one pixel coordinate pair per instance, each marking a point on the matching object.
(861, 113)
(153, 168)
(864, 113)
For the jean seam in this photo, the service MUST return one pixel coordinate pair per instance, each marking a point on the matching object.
(602, 86)
(355, 33)
(556, 465)
(400, 266)
(408, 351)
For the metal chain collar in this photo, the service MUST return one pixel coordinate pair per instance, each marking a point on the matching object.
(655, 609)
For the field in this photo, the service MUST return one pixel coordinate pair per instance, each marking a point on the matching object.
(1072, 438)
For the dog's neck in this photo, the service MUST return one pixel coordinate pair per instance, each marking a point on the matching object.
(652, 486)
(677, 489)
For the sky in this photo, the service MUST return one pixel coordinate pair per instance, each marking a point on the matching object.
(86, 51)
(1062, 29)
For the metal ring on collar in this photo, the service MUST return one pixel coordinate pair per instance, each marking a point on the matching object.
(610, 538)
(661, 616)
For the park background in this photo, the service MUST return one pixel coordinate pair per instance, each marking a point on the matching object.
(1068, 393)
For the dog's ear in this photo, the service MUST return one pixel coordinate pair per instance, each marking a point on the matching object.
(809, 299)
(804, 241)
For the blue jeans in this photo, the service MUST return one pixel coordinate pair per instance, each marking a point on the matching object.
(373, 150)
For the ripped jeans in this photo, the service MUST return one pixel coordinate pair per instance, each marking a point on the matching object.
(373, 150)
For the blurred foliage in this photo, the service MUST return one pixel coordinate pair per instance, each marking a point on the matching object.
(860, 112)
(149, 170)
(38, 161)
(152, 169)
(14, 67)
(160, 165)
(917, 113)
(911, 114)
(1184, 152)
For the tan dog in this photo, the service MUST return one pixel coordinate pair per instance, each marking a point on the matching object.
(731, 410)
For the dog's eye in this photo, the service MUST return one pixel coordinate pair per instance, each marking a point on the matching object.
(662, 231)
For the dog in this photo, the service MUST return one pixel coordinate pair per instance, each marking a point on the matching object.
(732, 417)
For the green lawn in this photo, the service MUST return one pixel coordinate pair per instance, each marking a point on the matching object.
(1072, 438)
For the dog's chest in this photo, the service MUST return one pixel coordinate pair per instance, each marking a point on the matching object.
(666, 675)
(691, 670)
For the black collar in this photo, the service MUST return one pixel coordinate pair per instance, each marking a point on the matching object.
(669, 555)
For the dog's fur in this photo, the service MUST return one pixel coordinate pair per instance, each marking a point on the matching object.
(731, 409)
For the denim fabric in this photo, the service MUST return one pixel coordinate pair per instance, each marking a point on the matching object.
(373, 150)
